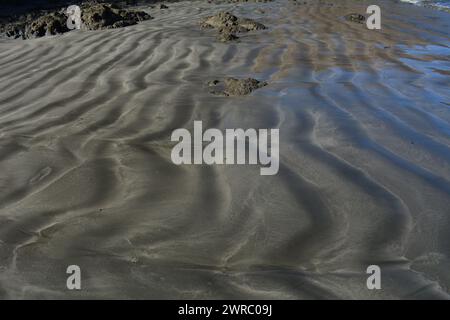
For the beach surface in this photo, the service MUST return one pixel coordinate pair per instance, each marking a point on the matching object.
(86, 176)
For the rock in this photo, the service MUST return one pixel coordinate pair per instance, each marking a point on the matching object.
(103, 16)
(236, 87)
(13, 30)
(51, 24)
(220, 20)
(226, 36)
(355, 17)
(94, 16)
(225, 21)
(251, 25)
(228, 24)
(30, 26)
(163, 6)
(240, 87)
(213, 83)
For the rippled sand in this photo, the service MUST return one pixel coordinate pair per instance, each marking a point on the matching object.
(86, 176)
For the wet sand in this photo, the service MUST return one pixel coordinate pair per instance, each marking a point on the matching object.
(86, 176)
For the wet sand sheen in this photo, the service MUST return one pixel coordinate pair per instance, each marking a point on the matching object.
(87, 179)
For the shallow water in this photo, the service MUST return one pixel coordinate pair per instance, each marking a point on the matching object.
(440, 4)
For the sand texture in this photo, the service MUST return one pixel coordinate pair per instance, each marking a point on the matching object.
(86, 176)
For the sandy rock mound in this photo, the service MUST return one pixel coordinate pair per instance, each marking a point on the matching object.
(225, 21)
(228, 24)
(226, 36)
(236, 87)
(103, 16)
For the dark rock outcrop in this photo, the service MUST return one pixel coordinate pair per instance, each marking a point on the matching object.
(103, 16)
(94, 16)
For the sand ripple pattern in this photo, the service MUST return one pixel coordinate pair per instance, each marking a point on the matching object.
(86, 176)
